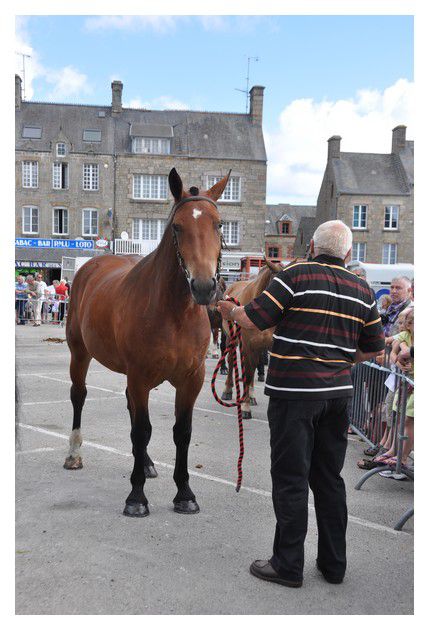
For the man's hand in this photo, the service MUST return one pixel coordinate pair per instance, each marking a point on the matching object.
(224, 307)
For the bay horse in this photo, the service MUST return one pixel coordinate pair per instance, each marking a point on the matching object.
(147, 318)
(254, 341)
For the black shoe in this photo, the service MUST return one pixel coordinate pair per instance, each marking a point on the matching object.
(261, 378)
(332, 579)
(263, 570)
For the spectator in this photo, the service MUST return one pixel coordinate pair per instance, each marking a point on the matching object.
(68, 285)
(400, 292)
(34, 293)
(385, 302)
(53, 300)
(62, 294)
(45, 305)
(20, 299)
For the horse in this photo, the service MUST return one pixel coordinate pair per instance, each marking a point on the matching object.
(254, 341)
(215, 319)
(147, 318)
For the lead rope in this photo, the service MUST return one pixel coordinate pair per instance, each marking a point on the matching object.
(234, 341)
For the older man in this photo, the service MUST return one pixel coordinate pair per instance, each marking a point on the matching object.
(400, 292)
(34, 292)
(326, 320)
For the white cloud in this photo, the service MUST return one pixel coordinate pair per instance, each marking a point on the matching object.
(161, 102)
(66, 82)
(158, 23)
(297, 150)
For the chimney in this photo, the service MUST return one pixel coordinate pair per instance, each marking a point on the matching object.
(117, 97)
(256, 104)
(18, 91)
(399, 135)
(334, 144)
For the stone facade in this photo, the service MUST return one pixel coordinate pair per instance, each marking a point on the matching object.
(375, 181)
(202, 144)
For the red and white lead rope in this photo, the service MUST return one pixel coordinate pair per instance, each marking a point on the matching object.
(235, 342)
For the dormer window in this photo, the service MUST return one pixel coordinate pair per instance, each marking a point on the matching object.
(91, 135)
(285, 227)
(160, 146)
(61, 149)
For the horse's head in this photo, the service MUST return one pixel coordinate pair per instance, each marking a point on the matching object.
(196, 227)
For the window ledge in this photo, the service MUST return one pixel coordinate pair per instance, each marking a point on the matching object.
(390, 229)
(157, 201)
(356, 229)
(85, 190)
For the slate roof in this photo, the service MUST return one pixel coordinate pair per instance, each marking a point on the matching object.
(307, 227)
(286, 212)
(196, 134)
(374, 173)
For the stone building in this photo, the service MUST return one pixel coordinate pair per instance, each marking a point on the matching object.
(281, 228)
(88, 172)
(374, 195)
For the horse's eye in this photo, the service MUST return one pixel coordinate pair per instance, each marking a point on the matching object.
(220, 225)
(176, 227)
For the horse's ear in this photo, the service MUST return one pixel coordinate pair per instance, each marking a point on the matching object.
(216, 191)
(276, 267)
(176, 185)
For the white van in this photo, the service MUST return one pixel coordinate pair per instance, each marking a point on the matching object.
(379, 277)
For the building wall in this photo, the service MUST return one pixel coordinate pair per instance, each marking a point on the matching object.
(249, 212)
(375, 235)
(284, 243)
(45, 197)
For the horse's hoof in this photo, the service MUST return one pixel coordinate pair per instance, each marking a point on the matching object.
(186, 507)
(150, 472)
(252, 402)
(226, 396)
(247, 415)
(261, 378)
(73, 463)
(138, 510)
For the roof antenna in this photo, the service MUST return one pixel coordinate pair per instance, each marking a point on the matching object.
(246, 91)
(23, 55)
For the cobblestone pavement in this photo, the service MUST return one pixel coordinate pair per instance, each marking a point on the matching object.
(77, 554)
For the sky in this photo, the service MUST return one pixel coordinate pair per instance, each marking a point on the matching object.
(323, 75)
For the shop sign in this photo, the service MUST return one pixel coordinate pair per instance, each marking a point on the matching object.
(37, 265)
(101, 243)
(231, 263)
(54, 243)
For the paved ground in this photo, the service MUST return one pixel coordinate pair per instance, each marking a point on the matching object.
(77, 554)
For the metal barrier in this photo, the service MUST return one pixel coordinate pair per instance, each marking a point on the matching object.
(372, 416)
(36, 311)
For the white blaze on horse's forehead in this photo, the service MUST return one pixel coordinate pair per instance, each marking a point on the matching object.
(196, 213)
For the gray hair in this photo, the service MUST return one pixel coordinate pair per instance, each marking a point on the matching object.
(333, 238)
(404, 278)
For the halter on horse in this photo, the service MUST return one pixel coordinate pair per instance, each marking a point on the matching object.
(146, 318)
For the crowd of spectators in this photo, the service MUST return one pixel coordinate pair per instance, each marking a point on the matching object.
(397, 316)
(37, 303)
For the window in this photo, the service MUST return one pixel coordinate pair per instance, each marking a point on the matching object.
(285, 228)
(389, 253)
(60, 175)
(391, 217)
(30, 174)
(151, 145)
(60, 221)
(359, 252)
(90, 176)
(150, 186)
(30, 220)
(91, 135)
(61, 149)
(273, 252)
(148, 229)
(230, 232)
(89, 222)
(359, 217)
(232, 191)
(32, 132)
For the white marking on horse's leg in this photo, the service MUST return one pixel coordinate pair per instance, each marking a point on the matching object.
(196, 213)
(75, 442)
(246, 406)
(251, 392)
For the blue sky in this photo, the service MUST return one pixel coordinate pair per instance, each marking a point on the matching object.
(351, 75)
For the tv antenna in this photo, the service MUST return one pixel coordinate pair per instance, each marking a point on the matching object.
(246, 91)
(23, 55)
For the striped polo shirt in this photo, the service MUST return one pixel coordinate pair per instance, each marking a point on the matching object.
(322, 313)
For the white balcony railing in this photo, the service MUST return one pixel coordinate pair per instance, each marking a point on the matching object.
(131, 246)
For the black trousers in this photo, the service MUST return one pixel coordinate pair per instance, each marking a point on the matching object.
(308, 447)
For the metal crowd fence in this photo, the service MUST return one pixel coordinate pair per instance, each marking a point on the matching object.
(37, 311)
(372, 416)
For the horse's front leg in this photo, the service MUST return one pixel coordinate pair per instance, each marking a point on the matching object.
(249, 366)
(186, 394)
(136, 503)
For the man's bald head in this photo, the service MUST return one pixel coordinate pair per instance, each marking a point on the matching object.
(332, 238)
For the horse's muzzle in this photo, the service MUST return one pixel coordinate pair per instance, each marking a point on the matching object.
(203, 290)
